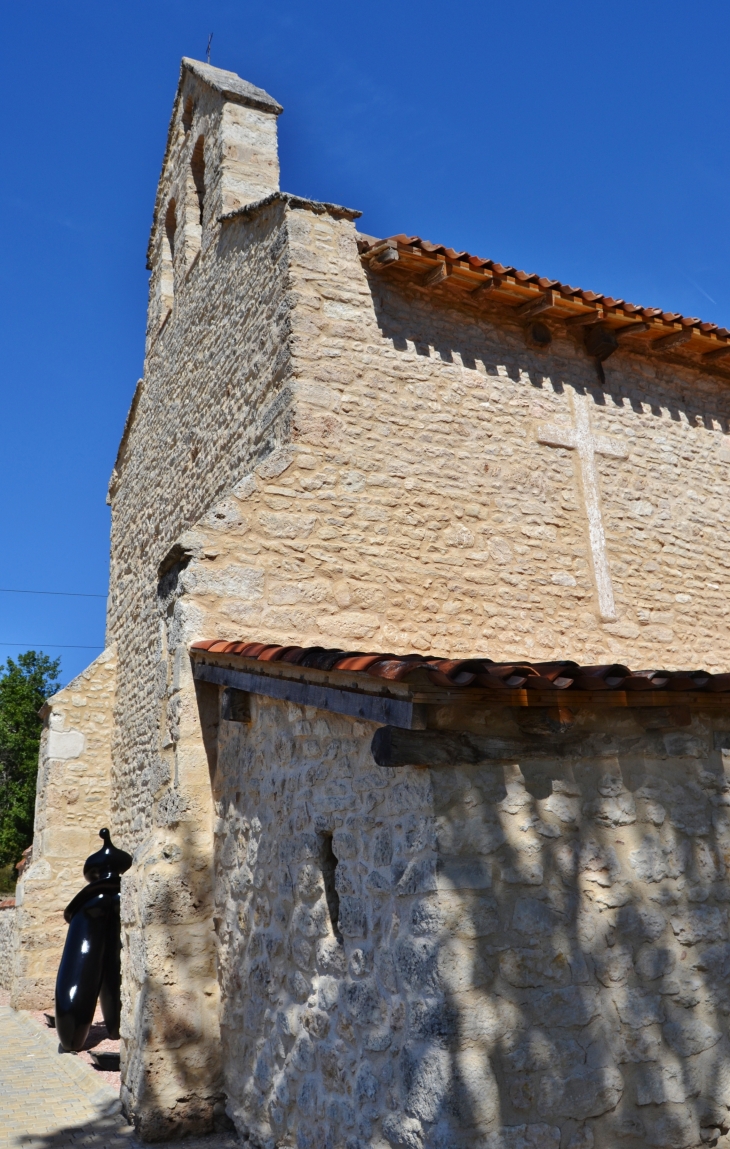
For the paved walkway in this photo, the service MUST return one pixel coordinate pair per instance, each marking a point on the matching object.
(49, 1100)
(56, 1101)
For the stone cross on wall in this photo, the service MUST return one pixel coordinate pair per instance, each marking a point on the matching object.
(579, 438)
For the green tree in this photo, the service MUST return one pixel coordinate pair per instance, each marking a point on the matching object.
(25, 684)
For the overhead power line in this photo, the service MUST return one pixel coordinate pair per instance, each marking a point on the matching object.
(52, 645)
(63, 593)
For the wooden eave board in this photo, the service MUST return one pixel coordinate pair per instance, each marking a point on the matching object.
(340, 678)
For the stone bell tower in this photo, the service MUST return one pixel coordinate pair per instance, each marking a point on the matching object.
(221, 155)
(188, 410)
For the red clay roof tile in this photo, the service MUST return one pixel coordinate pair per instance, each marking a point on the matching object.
(480, 673)
(415, 244)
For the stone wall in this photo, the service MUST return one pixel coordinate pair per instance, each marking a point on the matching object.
(7, 944)
(367, 495)
(72, 804)
(193, 435)
(442, 523)
(418, 509)
(510, 971)
(213, 400)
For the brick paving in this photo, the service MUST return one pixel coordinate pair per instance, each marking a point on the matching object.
(56, 1101)
(49, 1099)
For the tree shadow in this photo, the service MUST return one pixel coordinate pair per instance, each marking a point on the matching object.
(109, 1128)
(538, 969)
(594, 1003)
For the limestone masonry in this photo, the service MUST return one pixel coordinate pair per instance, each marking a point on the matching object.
(518, 938)
(72, 804)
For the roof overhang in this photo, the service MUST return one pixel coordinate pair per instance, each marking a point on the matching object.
(413, 704)
(483, 284)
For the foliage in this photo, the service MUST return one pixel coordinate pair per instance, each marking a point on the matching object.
(25, 684)
(8, 878)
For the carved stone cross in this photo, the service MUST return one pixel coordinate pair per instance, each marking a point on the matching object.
(579, 438)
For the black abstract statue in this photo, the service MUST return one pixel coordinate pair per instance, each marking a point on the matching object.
(90, 965)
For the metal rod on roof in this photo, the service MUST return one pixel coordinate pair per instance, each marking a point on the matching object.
(210, 41)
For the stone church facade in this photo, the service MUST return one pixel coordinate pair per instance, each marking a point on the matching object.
(423, 856)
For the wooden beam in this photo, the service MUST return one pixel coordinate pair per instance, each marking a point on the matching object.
(584, 318)
(672, 340)
(436, 275)
(489, 284)
(630, 329)
(367, 706)
(395, 746)
(718, 353)
(383, 258)
(532, 307)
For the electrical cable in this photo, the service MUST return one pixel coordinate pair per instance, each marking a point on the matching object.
(63, 593)
(52, 645)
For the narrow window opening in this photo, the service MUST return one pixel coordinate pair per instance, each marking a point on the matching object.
(167, 255)
(328, 860)
(187, 117)
(197, 166)
(235, 705)
(171, 226)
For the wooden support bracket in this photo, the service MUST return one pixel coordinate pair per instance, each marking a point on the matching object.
(536, 306)
(630, 329)
(436, 275)
(584, 318)
(383, 258)
(672, 340)
(718, 353)
(490, 284)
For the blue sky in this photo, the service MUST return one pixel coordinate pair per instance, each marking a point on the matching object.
(585, 142)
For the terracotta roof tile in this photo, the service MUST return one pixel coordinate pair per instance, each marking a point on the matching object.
(408, 246)
(481, 673)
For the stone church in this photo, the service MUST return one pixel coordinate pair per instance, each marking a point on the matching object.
(415, 707)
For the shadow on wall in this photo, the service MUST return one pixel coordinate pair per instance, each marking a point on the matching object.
(406, 320)
(171, 1057)
(515, 972)
(583, 997)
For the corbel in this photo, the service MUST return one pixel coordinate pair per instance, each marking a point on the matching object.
(672, 340)
(533, 307)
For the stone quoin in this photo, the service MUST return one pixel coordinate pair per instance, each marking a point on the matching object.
(415, 709)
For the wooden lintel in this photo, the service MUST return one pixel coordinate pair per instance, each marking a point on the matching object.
(584, 318)
(532, 307)
(672, 340)
(717, 353)
(395, 712)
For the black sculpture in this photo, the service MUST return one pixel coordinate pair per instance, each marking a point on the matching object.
(90, 965)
